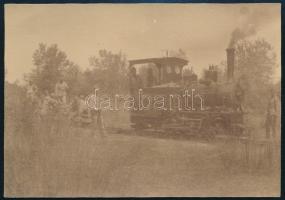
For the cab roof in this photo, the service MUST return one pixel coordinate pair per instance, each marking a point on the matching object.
(160, 61)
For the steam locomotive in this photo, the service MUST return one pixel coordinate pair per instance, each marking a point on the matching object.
(215, 112)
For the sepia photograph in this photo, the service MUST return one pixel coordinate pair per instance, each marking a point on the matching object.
(142, 100)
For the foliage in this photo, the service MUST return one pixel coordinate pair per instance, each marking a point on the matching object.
(109, 71)
(73, 77)
(255, 64)
(50, 65)
(18, 109)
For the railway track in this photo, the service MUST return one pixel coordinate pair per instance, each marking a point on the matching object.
(172, 134)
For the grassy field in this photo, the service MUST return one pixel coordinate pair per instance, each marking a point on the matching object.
(79, 163)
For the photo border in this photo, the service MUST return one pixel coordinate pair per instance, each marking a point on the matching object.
(2, 73)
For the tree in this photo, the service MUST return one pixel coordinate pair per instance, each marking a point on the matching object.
(109, 71)
(73, 77)
(255, 64)
(50, 64)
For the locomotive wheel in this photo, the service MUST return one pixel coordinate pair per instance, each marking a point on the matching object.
(140, 126)
(206, 133)
(156, 126)
(219, 128)
(238, 130)
(210, 134)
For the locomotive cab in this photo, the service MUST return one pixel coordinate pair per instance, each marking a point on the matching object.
(167, 70)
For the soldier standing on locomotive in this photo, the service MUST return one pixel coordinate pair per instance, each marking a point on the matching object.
(135, 81)
(150, 78)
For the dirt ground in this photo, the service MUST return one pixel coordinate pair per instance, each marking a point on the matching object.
(78, 163)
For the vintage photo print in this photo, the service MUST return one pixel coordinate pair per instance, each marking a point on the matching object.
(142, 100)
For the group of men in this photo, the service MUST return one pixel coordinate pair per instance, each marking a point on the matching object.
(47, 101)
(60, 91)
(52, 104)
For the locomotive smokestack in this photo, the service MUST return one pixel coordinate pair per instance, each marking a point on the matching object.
(230, 63)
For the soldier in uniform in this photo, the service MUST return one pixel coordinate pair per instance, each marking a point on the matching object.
(150, 78)
(97, 116)
(84, 112)
(239, 96)
(31, 91)
(47, 104)
(135, 81)
(47, 111)
(271, 116)
(74, 107)
(61, 90)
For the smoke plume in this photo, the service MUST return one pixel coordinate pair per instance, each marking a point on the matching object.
(250, 21)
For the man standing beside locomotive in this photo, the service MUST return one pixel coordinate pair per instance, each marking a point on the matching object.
(96, 114)
(239, 96)
(271, 116)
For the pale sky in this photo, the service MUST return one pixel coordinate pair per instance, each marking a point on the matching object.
(203, 31)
